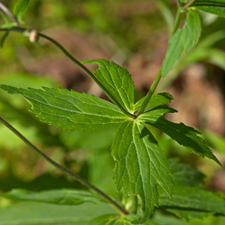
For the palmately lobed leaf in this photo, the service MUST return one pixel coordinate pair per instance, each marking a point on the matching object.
(69, 109)
(117, 81)
(140, 166)
(184, 135)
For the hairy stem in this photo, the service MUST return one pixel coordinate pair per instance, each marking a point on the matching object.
(78, 178)
(23, 30)
(188, 4)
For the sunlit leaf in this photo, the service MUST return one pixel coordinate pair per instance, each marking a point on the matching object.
(184, 135)
(156, 100)
(182, 41)
(69, 109)
(140, 166)
(117, 81)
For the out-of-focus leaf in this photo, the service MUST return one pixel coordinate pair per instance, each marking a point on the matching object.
(3, 39)
(199, 203)
(167, 219)
(215, 140)
(115, 219)
(184, 174)
(212, 6)
(98, 140)
(189, 215)
(34, 213)
(182, 41)
(164, 8)
(60, 196)
(8, 22)
(20, 8)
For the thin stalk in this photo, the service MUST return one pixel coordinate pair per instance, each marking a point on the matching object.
(23, 30)
(134, 205)
(9, 14)
(178, 17)
(150, 93)
(189, 4)
(78, 178)
(159, 75)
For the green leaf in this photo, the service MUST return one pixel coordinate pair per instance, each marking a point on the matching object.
(8, 22)
(115, 219)
(212, 6)
(184, 135)
(193, 198)
(69, 109)
(59, 196)
(35, 213)
(4, 38)
(156, 100)
(20, 8)
(184, 174)
(182, 41)
(117, 81)
(189, 214)
(140, 166)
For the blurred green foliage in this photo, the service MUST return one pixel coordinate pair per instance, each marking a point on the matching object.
(132, 30)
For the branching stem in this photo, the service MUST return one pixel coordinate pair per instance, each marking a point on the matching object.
(150, 93)
(159, 75)
(23, 30)
(9, 14)
(78, 178)
(188, 4)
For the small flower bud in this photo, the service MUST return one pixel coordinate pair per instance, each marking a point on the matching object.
(33, 36)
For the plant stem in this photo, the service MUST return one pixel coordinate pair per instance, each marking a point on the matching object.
(78, 178)
(23, 30)
(9, 14)
(159, 75)
(178, 17)
(188, 4)
(134, 204)
(150, 93)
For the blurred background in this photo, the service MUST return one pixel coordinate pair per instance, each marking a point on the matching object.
(133, 33)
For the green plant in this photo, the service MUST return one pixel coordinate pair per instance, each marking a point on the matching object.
(141, 169)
